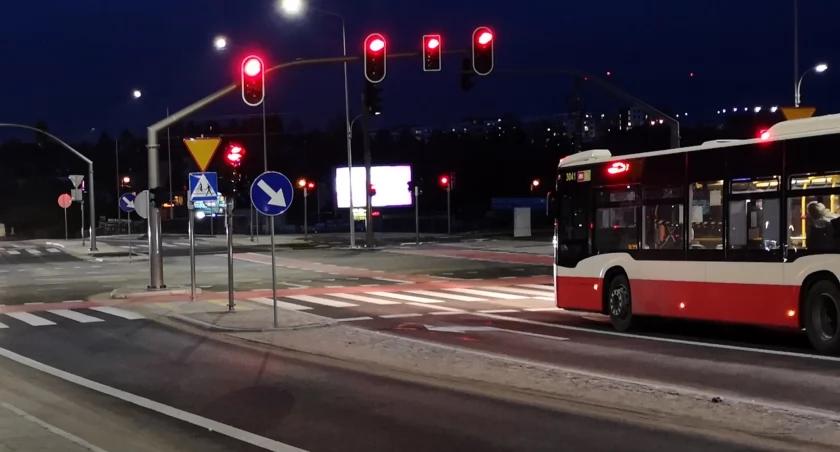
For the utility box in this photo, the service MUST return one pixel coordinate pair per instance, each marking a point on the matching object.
(2, 230)
(521, 221)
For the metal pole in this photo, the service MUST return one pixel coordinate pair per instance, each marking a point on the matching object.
(449, 208)
(251, 222)
(229, 225)
(117, 169)
(91, 208)
(273, 271)
(169, 155)
(349, 138)
(82, 206)
(265, 144)
(130, 252)
(212, 222)
(369, 243)
(305, 219)
(796, 53)
(416, 215)
(191, 213)
(66, 234)
(318, 201)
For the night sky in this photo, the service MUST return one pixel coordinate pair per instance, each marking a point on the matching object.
(75, 63)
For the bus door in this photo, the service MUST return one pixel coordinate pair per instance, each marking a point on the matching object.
(573, 218)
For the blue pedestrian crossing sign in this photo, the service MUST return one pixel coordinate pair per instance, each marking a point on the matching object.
(272, 193)
(127, 202)
(203, 187)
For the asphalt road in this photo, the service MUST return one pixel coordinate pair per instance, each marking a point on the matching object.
(316, 405)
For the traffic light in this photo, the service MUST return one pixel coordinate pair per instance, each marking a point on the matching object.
(310, 185)
(467, 74)
(375, 56)
(482, 50)
(253, 81)
(373, 98)
(234, 154)
(431, 53)
(445, 182)
(157, 196)
(371, 190)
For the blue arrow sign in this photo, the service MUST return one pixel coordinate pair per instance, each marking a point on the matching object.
(127, 202)
(203, 187)
(272, 193)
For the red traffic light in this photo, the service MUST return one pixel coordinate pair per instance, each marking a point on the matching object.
(253, 81)
(482, 50)
(431, 53)
(310, 185)
(444, 180)
(376, 50)
(234, 154)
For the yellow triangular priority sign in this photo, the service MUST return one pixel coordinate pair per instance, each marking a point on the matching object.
(202, 150)
(798, 112)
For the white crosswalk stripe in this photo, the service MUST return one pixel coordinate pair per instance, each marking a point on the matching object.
(487, 293)
(549, 289)
(33, 252)
(362, 298)
(118, 312)
(449, 296)
(280, 304)
(53, 250)
(321, 301)
(30, 319)
(3, 325)
(517, 290)
(77, 316)
(15, 252)
(400, 296)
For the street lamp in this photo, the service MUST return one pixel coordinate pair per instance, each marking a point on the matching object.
(220, 43)
(820, 68)
(137, 93)
(296, 8)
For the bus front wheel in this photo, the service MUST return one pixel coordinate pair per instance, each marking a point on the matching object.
(620, 303)
(822, 317)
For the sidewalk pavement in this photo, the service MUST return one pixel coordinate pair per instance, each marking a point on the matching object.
(280, 240)
(21, 431)
(75, 248)
(540, 247)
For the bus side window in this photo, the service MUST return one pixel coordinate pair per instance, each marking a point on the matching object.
(705, 224)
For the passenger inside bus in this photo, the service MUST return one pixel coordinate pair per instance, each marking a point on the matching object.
(821, 227)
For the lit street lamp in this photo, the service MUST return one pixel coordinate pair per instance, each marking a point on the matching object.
(296, 8)
(220, 43)
(820, 68)
(137, 94)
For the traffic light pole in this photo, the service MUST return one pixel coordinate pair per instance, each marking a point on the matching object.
(305, 213)
(368, 198)
(449, 208)
(92, 209)
(416, 215)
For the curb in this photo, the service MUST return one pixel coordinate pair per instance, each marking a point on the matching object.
(55, 244)
(152, 293)
(226, 329)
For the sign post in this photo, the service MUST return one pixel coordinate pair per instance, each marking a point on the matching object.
(229, 231)
(416, 215)
(78, 195)
(191, 213)
(305, 213)
(64, 201)
(272, 194)
(127, 205)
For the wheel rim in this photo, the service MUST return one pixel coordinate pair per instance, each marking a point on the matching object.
(620, 302)
(826, 317)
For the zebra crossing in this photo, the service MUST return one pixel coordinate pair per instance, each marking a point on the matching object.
(30, 251)
(53, 317)
(409, 302)
(13, 253)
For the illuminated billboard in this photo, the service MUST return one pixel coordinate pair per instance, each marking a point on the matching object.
(390, 183)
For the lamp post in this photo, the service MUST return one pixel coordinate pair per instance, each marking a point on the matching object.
(820, 68)
(296, 8)
(137, 94)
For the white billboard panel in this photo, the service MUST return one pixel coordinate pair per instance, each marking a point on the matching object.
(390, 182)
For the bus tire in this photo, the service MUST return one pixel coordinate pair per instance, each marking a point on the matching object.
(822, 316)
(620, 302)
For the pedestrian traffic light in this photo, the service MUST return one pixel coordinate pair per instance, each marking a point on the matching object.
(253, 81)
(234, 154)
(431, 53)
(157, 196)
(310, 185)
(467, 74)
(373, 98)
(482, 50)
(375, 56)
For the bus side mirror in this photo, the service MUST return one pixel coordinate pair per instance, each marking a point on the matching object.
(550, 206)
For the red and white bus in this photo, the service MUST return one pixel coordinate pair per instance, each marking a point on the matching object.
(740, 231)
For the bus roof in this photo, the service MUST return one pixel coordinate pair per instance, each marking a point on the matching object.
(795, 128)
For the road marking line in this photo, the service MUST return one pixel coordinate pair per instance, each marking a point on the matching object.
(546, 298)
(362, 298)
(321, 301)
(369, 285)
(549, 289)
(398, 281)
(530, 292)
(543, 309)
(53, 250)
(449, 312)
(203, 422)
(354, 319)
(450, 296)
(3, 326)
(333, 287)
(13, 252)
(400, 296)
(436, 307)
(487, 293)
(118, 312)
(398, 316)
(26, 317)
(51, 428)
(73, 315)
(280, 304)
(33, 252)
(72, 301)
(34, 302)
(662, 339)
(498, 311)
(181, 244)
